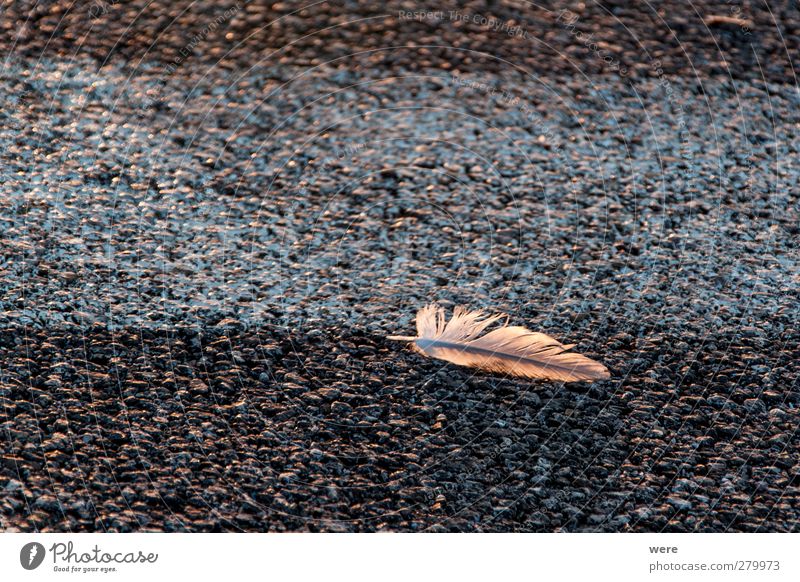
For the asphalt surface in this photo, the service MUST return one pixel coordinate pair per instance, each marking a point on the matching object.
(211, 215)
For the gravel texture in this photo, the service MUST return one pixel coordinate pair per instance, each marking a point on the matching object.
(211, 215)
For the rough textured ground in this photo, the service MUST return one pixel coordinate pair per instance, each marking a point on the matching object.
(211, 215)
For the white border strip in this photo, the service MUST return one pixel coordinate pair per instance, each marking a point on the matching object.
(402, 557)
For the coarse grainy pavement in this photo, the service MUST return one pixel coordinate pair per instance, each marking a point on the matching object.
(211, 215)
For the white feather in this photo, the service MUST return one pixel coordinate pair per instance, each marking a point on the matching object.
(508, 349)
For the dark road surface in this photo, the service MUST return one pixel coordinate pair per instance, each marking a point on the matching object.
(211, 215)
